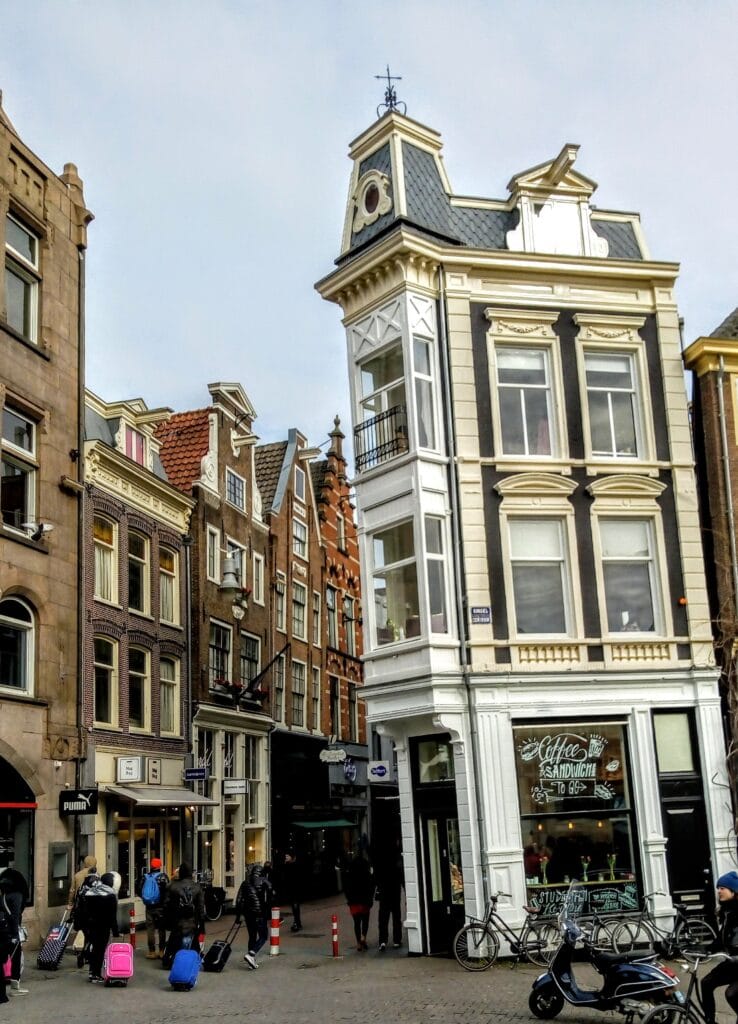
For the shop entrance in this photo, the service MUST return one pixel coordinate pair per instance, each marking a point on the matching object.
(140, 839)
(444, 887)
(17, 817)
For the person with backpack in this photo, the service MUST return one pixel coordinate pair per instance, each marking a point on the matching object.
(153, 892)
(97, 913)
(253, 903)
(184, 911)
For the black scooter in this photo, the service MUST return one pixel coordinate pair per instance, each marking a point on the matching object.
(631, 983)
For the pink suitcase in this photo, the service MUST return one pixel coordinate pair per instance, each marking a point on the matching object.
(118, 963)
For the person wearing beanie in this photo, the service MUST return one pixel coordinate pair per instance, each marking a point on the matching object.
(153, 898)
(184, 910)
(726, 972)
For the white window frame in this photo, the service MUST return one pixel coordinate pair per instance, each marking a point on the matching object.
(298, 696)
(280, 602)
(300, 538)
(145, 689)
(317, 612)
(616, 336)
(26, 271)
(421, 378)
(390, 436)
(398, 628)
(280, 668)
(349, 624)
(227, 630)
(28, 631)
(109, 552)
(237, 551)
(169, 579)
(299, 588)
(114, 669)
(340, 532)
(300, 484)
(560, 559)
(315, 683)
(232, 475)
(134, 438)
(436, 558)
(212, 554)
(331, 606)
(145, 563)
(22, 459)
(352, 698)
(258, 578)
(171, 686)
(528, 330)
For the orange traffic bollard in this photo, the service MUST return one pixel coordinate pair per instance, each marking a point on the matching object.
(334, 931)
(132, 927)
(274, 932)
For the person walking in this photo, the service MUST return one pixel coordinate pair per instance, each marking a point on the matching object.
(184, 910)
(253, 902)
(726, 972)
(16, 897)
(89, 867)
(153, 892)
(98, 916)
(358, 888)
(390, 883)
(292, 887)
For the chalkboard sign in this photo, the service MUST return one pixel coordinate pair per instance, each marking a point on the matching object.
(586, 898)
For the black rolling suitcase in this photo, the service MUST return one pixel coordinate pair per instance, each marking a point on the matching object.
(217, 956)
(51, 952)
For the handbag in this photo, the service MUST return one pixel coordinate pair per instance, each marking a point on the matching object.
(6, 969)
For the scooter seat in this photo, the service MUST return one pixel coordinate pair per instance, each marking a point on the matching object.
(611, 959)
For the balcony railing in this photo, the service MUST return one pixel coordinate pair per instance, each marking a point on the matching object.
(381, 438)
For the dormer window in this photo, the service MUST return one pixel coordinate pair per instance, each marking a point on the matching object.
(135, 445)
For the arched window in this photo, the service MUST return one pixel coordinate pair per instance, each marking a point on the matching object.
(16, 645)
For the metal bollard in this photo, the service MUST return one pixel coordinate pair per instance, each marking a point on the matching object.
(334, 932)
(132, 926)
(274, 932)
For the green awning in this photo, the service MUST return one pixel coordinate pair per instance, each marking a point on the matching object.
(336, 823)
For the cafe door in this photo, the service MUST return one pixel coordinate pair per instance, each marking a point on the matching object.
(443, 881)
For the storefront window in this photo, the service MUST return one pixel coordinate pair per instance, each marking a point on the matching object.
(575, 804)
(435, 761)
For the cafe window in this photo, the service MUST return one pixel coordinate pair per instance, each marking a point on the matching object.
(575, 803)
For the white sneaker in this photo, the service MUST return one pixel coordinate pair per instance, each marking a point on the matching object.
(251, 960)
(15, 989)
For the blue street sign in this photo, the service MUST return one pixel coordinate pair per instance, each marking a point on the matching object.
(195, 774)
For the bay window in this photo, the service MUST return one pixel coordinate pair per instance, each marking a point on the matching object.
(382, 433)
(435, 568)
(395, 581)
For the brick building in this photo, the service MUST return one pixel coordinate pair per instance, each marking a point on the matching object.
(208, 454)
(43, 233)
(136, 672)
(713, 361)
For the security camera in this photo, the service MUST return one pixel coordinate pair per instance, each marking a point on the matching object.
(37, 530)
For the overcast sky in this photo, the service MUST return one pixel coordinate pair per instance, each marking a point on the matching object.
(212, 140)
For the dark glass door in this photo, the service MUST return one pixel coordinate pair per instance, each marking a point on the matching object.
(443, 881)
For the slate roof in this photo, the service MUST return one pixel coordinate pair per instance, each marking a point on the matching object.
(318, 472)
(429, 208)
(728, 328)
(184, 441)
(268, 461)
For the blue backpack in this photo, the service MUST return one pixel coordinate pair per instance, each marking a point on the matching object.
(151, 893)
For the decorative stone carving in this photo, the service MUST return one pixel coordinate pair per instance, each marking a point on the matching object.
(371, 199)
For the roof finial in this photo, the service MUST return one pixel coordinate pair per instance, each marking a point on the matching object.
(390, 96)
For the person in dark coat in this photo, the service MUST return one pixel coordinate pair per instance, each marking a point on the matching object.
(14, 888)
(358, 888)
(726, 972)
(291, 891)
(98, 916)
(184, 911)
(390, 878)
(253, 902)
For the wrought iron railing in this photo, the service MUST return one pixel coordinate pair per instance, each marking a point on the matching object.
(381, 438)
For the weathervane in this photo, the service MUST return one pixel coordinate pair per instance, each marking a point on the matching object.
(390, 96)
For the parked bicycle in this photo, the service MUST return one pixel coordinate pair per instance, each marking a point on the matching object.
(477, 944)
(690, 935)
(690, 1009)
(214, 896)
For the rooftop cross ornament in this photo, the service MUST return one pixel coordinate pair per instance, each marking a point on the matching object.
(390, 96)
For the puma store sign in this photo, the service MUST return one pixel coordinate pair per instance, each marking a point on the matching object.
(77, 801)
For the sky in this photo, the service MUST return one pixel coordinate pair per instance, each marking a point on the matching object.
(212, 138)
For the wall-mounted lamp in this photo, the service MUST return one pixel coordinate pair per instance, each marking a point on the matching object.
(231, 581)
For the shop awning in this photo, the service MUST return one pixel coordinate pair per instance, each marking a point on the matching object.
(335, 823)
(159, 796)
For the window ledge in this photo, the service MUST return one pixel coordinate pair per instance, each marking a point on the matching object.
(8, 533)
(32, 345)
(20, 697)
(171, 625)
(106, 727)
(596, 467)
(140, 615)
(108, 604)
(515, 464)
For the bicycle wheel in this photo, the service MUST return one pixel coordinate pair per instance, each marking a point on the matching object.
(603, 934)
(694, 937)
(671, 1013)
(631, 937)
(541, 943)
(476, 947)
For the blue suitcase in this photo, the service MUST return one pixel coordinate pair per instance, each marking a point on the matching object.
(185, 970)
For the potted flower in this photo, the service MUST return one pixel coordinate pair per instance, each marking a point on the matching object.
(544, 869)
(585, 867)
(611, 858)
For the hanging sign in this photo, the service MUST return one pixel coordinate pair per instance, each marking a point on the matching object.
(77, 801)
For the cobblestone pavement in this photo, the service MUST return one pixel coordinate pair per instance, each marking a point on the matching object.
(303, 984)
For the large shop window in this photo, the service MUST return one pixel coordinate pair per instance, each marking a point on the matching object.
(17, 816)
(575, 804)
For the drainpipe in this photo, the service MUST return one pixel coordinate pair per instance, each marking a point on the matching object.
(724, 458)
(187, 732)
(81, 509)
(458, 566)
